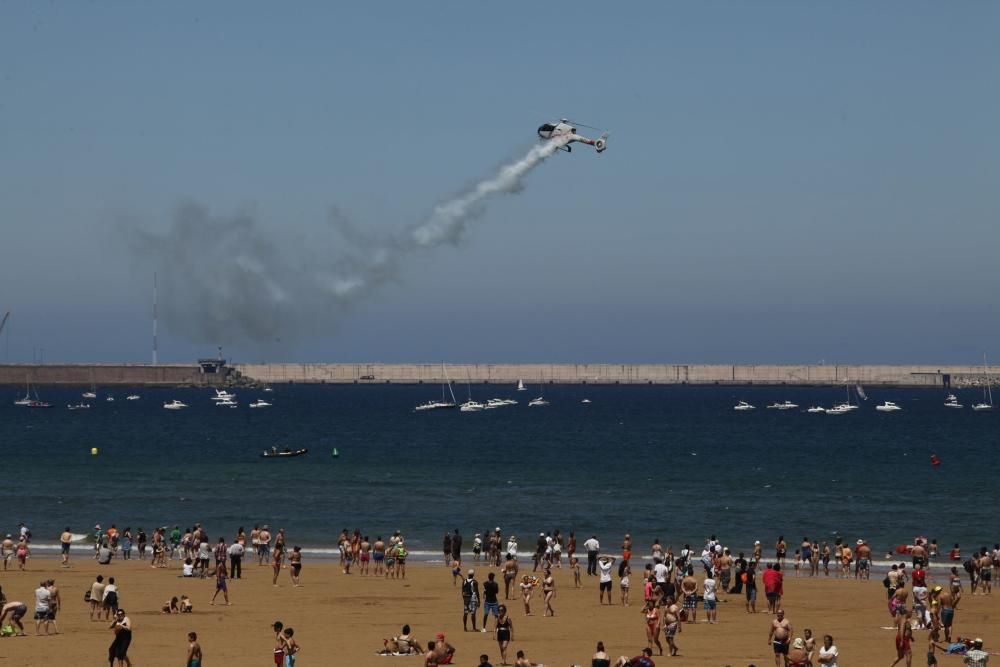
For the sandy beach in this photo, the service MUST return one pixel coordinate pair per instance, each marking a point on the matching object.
(342, 620)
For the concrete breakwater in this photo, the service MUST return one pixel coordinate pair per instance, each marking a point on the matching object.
(219, 373)
(103, 375)
(735, 374)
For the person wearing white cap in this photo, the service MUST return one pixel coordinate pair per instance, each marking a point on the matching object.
(864, 556)
(976, 656)
(757, 553)
(470, 600)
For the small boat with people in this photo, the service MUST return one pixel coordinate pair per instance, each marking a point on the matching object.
(287, 452)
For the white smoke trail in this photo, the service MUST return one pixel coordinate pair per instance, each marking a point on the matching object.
(224, 279)
(447, 222)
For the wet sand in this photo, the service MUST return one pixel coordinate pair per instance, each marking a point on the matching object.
(342, 620)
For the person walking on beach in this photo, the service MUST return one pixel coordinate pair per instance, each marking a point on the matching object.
(220, 583)
(470, 601)
(446, 548)
(456, 547)
(122, 627)
(709, 598)
(652, 617)
(194, 651)
(549, 591)
(593, 548)
(779, 637)
(503, 633)
(671, 624)
(751, 589)
(509, 575)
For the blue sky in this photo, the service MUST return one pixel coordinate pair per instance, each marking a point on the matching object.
(785, 181)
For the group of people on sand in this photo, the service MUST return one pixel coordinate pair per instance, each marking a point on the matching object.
(378, 558)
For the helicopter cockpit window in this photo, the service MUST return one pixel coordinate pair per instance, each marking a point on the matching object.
(546, 128)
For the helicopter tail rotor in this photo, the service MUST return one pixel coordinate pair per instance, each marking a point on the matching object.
(602, 144)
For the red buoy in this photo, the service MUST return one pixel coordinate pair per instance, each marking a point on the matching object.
(935, 461)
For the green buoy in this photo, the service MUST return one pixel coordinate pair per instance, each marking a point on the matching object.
(335, 453)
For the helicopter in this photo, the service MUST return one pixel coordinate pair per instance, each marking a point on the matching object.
(566, 128)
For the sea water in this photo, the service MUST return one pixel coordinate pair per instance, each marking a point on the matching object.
(669, 462)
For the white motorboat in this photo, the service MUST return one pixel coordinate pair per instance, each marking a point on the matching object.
(260, 403)
(79, 406)
(815, 408)
(841, 409)
(89, 394)
(434, 405)
(520, 386)
(132, 397)
(223, 395)
(787, 405)
(471, 406)
(267, 389)
(226, 403)
(175, 405)
(586, 400)
(110, 399)
(888, 406)
(537, 402)
(987, 403)
(743, 406)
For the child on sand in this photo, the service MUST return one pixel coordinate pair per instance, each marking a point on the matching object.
(194, 650)
(574, 564)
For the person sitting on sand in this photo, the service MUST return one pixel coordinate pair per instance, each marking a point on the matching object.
(443, 651)
(522, 661)
(171, 606)
(644, 659)
(402, 644)
(186, 606)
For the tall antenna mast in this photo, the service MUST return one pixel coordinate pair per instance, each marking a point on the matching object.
(154, 319)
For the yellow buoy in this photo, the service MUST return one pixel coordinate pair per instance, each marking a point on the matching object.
(93, 451)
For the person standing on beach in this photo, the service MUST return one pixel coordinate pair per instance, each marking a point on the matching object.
(194, 651)
(491, 605)
(751, 589)
(64, 541)
(470, 601)
(549, 591)
(55, 604)
(378, 555)
(446, 549)
(593, 548)
(779, 636)
(279, 644)
(221, 551)
(276, 557)
(295, 565)
(236, 552)
(652, 618)
(456, 547)
(605, 564)
(291, 647)
(689, 589)
(780, 550)
(263, 545)
(41, 608)
(828, 653)
(365, 551)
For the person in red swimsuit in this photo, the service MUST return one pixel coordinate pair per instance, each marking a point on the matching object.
(903, 641)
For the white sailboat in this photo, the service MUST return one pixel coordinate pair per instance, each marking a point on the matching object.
(520, 385)
(444, 402)
(27, 395)
(987, 403)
